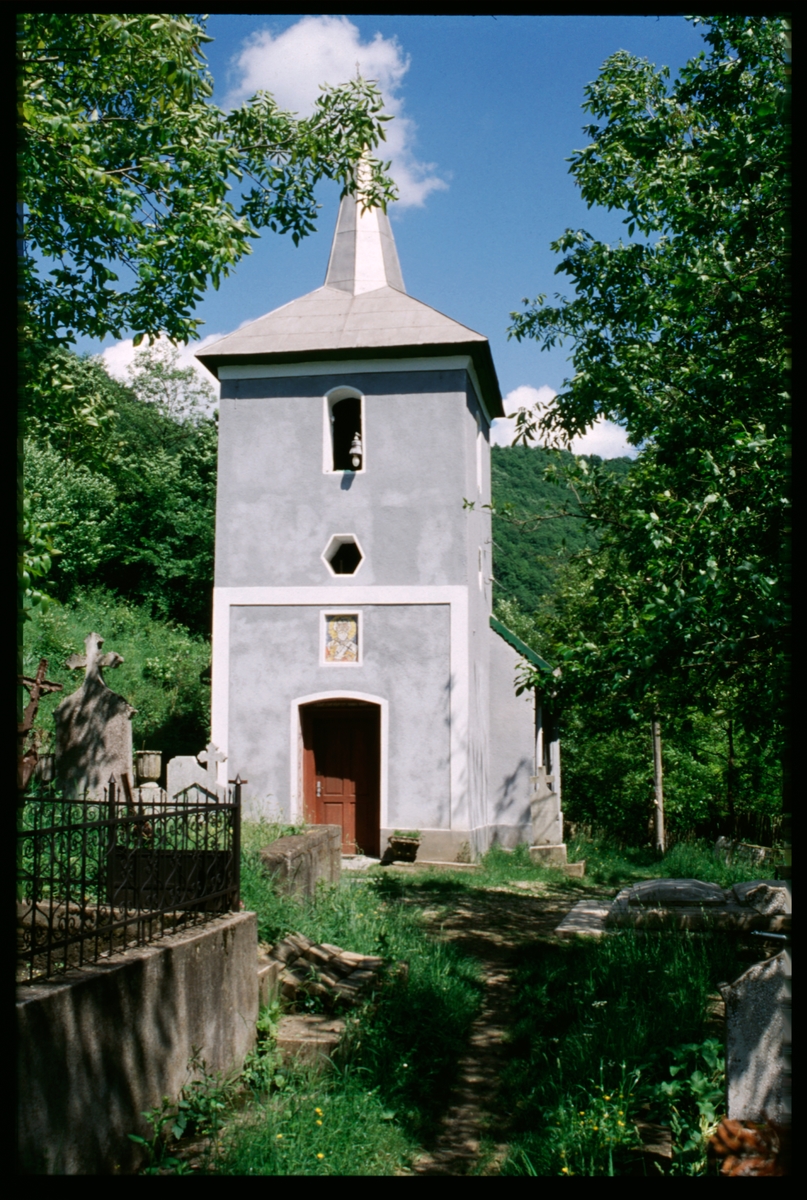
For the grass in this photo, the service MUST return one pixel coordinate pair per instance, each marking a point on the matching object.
(608, 1033)
(314, 1125)
(374, 1110)
(607, 862)
(602, 1034)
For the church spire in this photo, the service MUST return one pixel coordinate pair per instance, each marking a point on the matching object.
(363, 254)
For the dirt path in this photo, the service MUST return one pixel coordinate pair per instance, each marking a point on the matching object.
(491, 925)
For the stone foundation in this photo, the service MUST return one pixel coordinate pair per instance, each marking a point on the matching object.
(298, 863)
(100, 1046)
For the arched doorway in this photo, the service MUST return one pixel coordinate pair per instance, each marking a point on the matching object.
(341, 770)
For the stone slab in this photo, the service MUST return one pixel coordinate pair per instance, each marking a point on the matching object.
(433, 864)
(549, 856)
(575, 870)
(298, 863)
(185, 771)
(762, 905)
(268, 982)
(309, 1039)
(586, 919)
(757, 1041)
(768, 896)
(662, 893)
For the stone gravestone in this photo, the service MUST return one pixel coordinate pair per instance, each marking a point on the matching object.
(93, 727)
(757, 1042)
(187, 770)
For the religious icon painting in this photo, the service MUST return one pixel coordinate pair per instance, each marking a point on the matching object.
(341, 638)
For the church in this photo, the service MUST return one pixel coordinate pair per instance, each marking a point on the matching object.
(358, 677)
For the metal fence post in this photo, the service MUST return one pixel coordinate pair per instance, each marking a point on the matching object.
(237, 782)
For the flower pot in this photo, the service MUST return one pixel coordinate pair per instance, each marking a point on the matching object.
(400, 849)
(148, 764)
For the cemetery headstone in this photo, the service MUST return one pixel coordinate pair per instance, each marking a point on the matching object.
(93, 727)
(757, 1038)
(187, 770)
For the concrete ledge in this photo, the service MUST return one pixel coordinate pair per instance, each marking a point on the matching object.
(268, 981)
(298, 863)
(98, 1047)
(586, 918)
(430, 864)
(549, 856)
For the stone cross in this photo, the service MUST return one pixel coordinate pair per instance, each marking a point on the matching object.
(92, 658)
(93, 728)
(209, 758)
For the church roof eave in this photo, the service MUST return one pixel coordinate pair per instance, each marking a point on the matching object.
(479, 352)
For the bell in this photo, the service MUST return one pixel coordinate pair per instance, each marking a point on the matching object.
(355, 451)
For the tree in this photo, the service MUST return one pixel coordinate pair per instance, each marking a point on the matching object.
(680, 333)
(134, 511)
(125, 177)
(125, 165)
(179, 393)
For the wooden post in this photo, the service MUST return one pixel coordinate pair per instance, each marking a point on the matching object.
(658, 785)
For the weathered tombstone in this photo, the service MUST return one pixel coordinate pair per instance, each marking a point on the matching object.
(187, 770)
(757, 1042)
(547, 845)
(93, 727)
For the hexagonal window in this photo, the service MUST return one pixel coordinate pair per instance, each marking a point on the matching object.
(343, 554)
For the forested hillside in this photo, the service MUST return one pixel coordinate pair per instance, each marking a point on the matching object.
(716, 773)
(127, 501)
(530, 544)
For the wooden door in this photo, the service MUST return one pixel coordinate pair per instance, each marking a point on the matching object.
(341, 772)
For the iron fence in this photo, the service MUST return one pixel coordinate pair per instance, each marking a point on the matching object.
(96, 877)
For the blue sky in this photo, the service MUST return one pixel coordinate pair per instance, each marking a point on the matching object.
(486, 110)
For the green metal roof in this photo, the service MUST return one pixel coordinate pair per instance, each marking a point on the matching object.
(517, 644)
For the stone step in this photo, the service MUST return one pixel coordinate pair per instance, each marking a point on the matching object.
(588, 918)
(309, 1039)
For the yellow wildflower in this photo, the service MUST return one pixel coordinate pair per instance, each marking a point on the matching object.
(320, 1156)
(319, 1122)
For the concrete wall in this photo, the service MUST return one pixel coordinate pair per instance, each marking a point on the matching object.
(406, 662)
(427, 449)
(512, 740)
(299, 862)
(276, 507)
(98, 1048)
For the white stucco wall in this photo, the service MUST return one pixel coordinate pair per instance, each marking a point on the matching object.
(512, 742)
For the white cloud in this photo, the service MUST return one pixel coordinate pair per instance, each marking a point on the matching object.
(605, 439)
(118, 358)
(316, 50)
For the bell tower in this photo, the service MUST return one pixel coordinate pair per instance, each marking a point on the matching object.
(352, 591)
